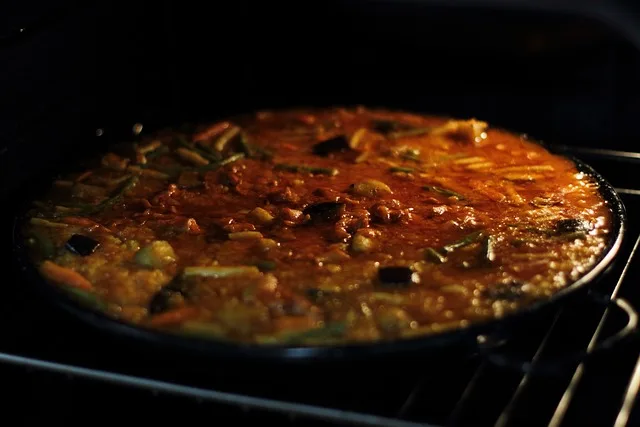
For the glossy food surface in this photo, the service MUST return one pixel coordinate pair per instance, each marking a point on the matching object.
(319, 227)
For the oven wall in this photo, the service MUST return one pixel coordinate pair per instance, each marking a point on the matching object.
(562, 79)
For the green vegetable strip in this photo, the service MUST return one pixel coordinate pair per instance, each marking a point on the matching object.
(435, 256)
(199, 149)
(465, 241)
(226, 137)
(409, 132)
(443, 191)
(307, 169)
(401, 169)
(86, 298)
(207, 152)
(244, 143)
(163, 149)
(411, 155)
(115, 197)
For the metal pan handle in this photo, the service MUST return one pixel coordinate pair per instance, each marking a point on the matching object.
(494, 354)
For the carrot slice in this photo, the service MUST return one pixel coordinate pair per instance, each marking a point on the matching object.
(64, 276)
(174, 317)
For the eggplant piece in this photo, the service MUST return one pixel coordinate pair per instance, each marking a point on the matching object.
(160, 302)
(333, 145)
(397, 276)
(325, 211)
(82, 245)
(265, 265)
(572, 225)
(387, 126)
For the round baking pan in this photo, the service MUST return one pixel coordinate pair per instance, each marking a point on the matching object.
(466, 337)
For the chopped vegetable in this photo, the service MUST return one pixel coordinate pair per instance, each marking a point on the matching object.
(226, 136)
(333, 145)
(245, 235)
(411, 154)
(354, 141)
(82, 245)
(64, 276)
(467, 240)
(148, 172)
(465, 130)
(262, 216)
(409, 133)
(325, 211)
(161, 300)
(387, 126)
(401, 169)
(397, 276)
(443, 191)
(361, 243)
(152, 146)
(435, 256)
(488, 252)
(219, 271)
(370, 188)
(156, 255)
(571, 225)
(47, 223)
(214, 166)
(87, 298)
(212, 131)
(207, 152)
(192, 157)
(244, 144)
(117, 195)
(265, 265)
(308, 169)
(163, 149)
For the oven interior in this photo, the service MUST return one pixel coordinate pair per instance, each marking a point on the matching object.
(563, 78)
